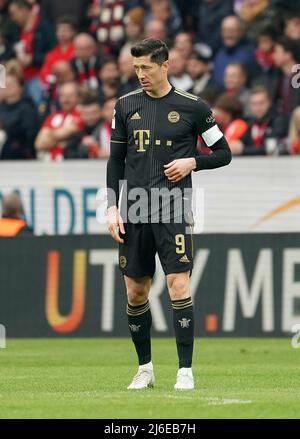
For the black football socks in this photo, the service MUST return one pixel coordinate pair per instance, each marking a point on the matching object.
(183, 321)
(140, 321)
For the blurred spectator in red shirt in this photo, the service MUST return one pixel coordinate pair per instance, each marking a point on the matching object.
(19, 121)
(235, 78)
(265, 48)
(60, 126)
(36, 38)
(266, 129)
(61, 73)
(94, 140)
(294, 132)
(86, 61)
(86, 143)
(263, 71)
(228, 112)
(177, 71)
(64, 51)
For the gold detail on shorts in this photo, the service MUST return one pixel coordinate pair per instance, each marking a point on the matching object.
(184, 259)
(180, 244)
(174, 117)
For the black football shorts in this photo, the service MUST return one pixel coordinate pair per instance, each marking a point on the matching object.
(172, 241)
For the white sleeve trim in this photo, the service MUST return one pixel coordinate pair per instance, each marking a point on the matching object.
(212, 135)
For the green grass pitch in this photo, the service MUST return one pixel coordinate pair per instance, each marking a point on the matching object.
(87, 378)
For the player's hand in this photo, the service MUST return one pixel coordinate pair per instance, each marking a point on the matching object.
(115, 223)
(180, 168)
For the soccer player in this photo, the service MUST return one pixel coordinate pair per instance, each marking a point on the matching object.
(153, 147)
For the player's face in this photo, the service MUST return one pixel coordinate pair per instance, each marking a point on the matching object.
(150, 74)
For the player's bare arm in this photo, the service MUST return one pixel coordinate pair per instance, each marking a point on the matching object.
(115, 224)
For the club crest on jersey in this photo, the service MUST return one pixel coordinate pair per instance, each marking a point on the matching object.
(174, 117)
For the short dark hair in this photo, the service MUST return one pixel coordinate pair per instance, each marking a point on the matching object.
(256, 89)
(230, 104)
(67, 19)
(156, 48)
(108, 59)
(268, 31)
(240, 65)
(22, 4)
(290, 15)
(289, 46)
(88, 97)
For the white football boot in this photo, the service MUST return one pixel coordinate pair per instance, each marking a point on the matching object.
(185, 379)
(144, 377)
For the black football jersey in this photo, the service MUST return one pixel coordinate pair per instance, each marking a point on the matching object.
(156, 131)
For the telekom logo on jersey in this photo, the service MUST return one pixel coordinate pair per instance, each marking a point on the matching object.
(142, 139)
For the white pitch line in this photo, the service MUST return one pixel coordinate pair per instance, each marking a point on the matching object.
(230, 401)
(212, 400)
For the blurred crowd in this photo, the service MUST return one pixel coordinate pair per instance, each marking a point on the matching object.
(67, 62)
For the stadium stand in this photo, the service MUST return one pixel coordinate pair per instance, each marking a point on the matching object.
(48, 43)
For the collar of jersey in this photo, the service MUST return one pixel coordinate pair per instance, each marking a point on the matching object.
(162, 97)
